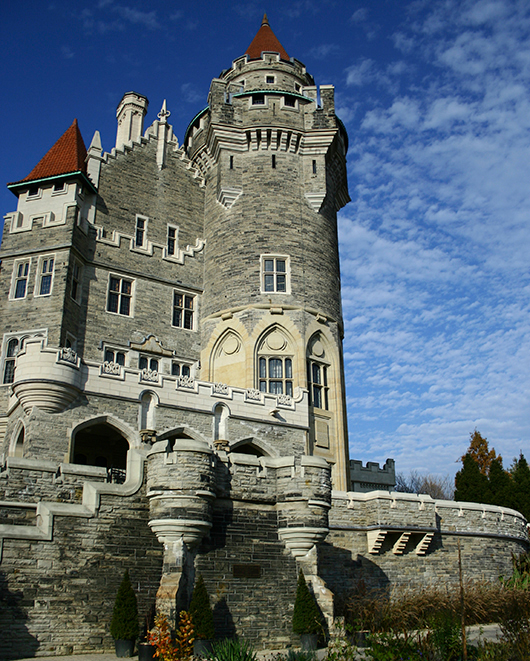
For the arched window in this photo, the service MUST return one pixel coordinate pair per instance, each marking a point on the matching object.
(276, 375)
(317, 374)
(275, 364)
(13, 348)
(19, 446)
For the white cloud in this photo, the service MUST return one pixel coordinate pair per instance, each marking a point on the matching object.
(435, 245)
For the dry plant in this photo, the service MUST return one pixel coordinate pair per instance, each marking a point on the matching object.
(404, 609)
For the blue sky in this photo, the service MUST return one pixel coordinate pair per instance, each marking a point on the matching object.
(435, 244)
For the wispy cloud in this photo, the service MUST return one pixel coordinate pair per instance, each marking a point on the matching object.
(67, 52)
(435, 245)
(111, 17)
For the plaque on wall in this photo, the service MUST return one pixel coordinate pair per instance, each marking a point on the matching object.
(246, 571)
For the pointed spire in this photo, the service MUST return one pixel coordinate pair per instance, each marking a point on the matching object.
(164, 113)
(67, 155)
(265, 40)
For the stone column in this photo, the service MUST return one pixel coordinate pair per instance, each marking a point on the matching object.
(180, 488)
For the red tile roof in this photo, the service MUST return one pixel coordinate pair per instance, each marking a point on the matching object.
(67, 155)
(265, 40)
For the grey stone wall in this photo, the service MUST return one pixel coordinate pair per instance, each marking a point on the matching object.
(249, 576)
(56, 597)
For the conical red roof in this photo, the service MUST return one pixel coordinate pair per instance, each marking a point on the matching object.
(67, 155)
(265, 40)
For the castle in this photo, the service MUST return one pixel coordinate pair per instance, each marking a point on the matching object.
(172, 395)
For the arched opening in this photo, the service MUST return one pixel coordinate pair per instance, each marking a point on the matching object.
(101, 445)
(220, 432)
(147, 411)
(19, 445)
(249, 448)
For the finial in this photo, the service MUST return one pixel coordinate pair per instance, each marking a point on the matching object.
(164, 113)
(265, 20)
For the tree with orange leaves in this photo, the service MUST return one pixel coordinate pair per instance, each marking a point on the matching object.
(479, 451)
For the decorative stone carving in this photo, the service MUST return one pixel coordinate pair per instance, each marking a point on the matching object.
(220, 388)
(253, 394)
(68, 355)
(149, 375)
(186, 382)
(111, 368)
(276, 341)
(231, 345)
(285, 400)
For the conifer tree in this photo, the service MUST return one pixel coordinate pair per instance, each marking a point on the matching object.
(201, 611)
(500, 484)
(124, 624)
(306, 616)
(520, 496)
(471, 484)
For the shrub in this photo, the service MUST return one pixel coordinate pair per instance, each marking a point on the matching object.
(201, 611)
(232, 649)
(124, 623)
(306, 616)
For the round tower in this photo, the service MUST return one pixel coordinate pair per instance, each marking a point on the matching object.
(273, 156)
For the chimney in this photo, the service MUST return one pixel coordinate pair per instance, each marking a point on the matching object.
(130, 114)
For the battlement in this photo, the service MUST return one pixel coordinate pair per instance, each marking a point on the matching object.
(372, 477)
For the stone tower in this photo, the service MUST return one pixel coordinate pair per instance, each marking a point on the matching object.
(273, 155)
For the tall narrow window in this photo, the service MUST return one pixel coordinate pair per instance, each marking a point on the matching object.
(317, 379)
(21, 279)
(171, 240)
(183, 310)
(76, 282)
(274, 161)
(276, 375)
(274, 274)
(9, 364)
(314, 167)
(119, 296)
(45, 276)
(231, 162)
(141, 226)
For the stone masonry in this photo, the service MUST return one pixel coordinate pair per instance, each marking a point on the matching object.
(172, 394)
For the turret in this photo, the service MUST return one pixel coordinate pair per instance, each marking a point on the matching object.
(273, 162)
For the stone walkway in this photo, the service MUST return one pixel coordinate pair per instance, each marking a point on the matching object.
(474, 633)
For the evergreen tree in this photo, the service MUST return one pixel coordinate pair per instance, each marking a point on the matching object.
(471, 484)
(500, 484)
(306, 616)
(201, 611)
(520, 493)
(124, 624)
